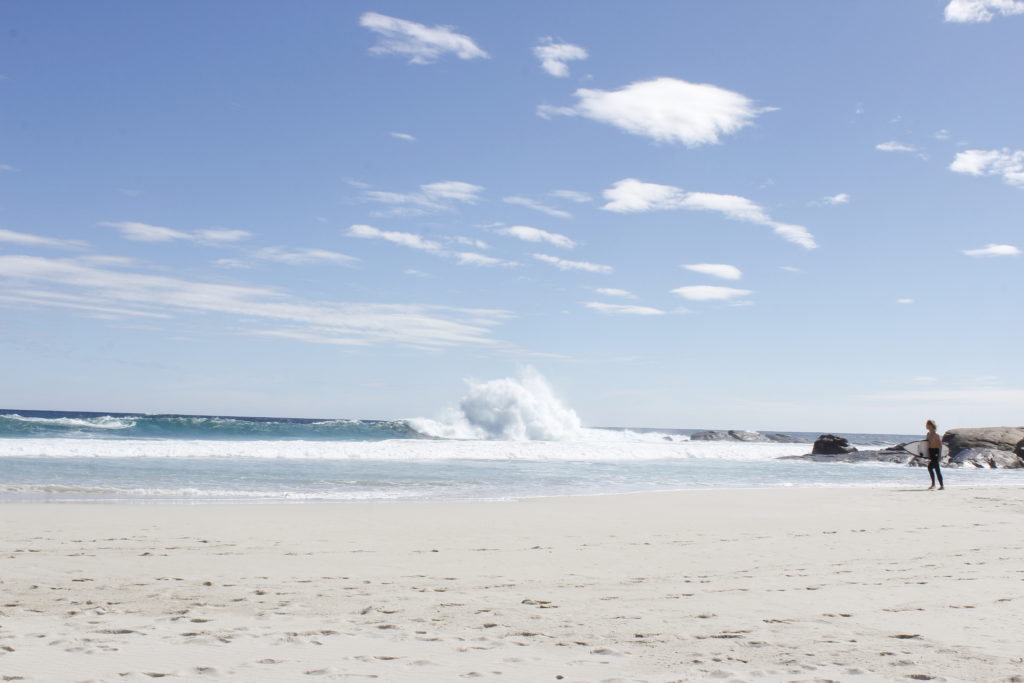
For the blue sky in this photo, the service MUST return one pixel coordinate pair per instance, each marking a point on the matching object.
(774, 215)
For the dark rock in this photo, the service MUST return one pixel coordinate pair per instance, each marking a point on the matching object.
(853, 457)
(986, 457)
(830, 444)
(709, 435)
(993, 438)
(784, 438)
(1019, 449)
(731, 435)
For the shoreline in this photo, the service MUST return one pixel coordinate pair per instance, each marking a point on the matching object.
(759, 584)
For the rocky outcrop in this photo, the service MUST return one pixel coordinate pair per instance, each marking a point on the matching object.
(986, 457)
(992, 438)
(897, 457)
(730, 435)
(1019, 449)
(830, 444)
(743, 435)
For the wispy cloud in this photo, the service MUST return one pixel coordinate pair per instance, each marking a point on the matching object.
(632, 195)
(28, 240)
(722, 270)
(665, 109)
(405, 239)
(622, 309)
(1004, 162)
(468, 258)
(537, 206)
(894, 146)
(422, 44)
(8, 168)
(841, 198)
(403, 136)
(525, 232)
(345, 324)
(710, 293)
(611, 291)
(994, 250)
(977, 11)
(144, 232)
(553, 56)
(563, 264)
(301, 257)
(572, 196)
(904, 301)
(432, 197)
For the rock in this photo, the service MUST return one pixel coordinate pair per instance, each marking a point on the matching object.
(784, 438)
(993, 438)
(986, 457)
(731, 435)
(1019, 449)
(830, 444)
(854, 457)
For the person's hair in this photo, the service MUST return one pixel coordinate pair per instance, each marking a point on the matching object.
(930, 424)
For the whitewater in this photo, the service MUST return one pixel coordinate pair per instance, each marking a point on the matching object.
(507, 438)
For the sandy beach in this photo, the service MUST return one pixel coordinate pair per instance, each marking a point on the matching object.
(802, 585)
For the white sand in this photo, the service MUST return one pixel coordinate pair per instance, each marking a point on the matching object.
(805, 585)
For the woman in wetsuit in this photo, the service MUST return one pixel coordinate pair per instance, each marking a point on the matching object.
(934, 453)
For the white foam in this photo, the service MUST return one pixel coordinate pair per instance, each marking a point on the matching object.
(103, 422)
(619, 448)
(509, 409)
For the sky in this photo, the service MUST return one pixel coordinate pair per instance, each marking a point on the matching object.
(764, 215)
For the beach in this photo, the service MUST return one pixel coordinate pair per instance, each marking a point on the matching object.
(775, 584)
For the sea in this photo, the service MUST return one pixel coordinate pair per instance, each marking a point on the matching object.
(507, 439)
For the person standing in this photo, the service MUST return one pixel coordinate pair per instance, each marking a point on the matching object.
(934, 454)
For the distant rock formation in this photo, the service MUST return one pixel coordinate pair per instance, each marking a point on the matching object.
(830, 444)
(994, 438)
(742, 435)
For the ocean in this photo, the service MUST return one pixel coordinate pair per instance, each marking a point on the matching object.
(506, 440)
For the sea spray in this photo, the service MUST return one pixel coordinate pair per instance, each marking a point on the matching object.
(509, 409)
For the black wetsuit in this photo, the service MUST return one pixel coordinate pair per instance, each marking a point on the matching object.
(933, 465)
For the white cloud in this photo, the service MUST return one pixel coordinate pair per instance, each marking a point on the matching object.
(470, 242)
(441, 196)
(710, 293)
(976, 11)
(525, 232)
(26, 240)
(666, 109)
(904, 301)
(620, 309)
(553, 56)
(994, 250)
(537, 206)
(405, 239)
(8, 167)
(468, 258)
(1002, 162)
(403, 136)
(572, 196)
(894, 146)
(348, 324)
(143, 232)
(841, 198)
(631, 195)
(611, 291)
(299, 257)
(422, 44)
(562, 264)
(221, 235)
(791, 269)
(416, 273)
(726, 272)
(941, 134)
